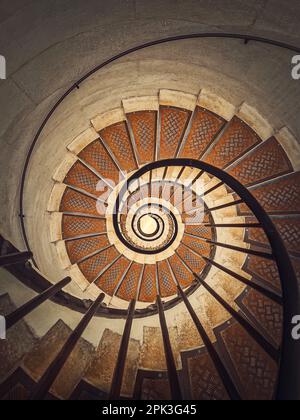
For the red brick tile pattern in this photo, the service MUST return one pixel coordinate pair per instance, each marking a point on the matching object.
(193, 261)
(278, 197)
(81, 177)
(182, 274)
(256, 370)
(148, 290)
(266, 312)
(144, 125)
(198, 245)
(199, 230)
(205, 127)
(258, 237)
(76, 202)
(205, 383)
(129, 286)
(92, 267)
(265, 269)
(289, 230)
(238, 139)
(167, 285)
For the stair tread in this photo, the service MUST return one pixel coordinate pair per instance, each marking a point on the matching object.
(267, 161)
(205, 383)
(280, 196)
(173, 123)
(144, 126)
(205, 126)
(98, 158)
(237, 140)
(153, 345)
(47, 348)
(256, 371)
(19, 340)
(117, 138)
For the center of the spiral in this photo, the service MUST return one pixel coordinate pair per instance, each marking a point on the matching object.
(148, 225)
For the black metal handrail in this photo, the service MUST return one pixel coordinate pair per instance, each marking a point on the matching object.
(288, 381)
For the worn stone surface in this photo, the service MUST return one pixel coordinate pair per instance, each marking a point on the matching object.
(100, 372)
(152, 352)
(19, 340)
(155, 389)
(205, 383)
(73, 370)
(256, 370)
(39, 358)
(48, 45)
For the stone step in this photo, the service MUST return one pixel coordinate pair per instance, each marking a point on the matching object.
(267, 161)
(152, 351)
(101, 370)
(289, 229)
(255, 372)
(204, 383)
(19, 340)
(279, 197)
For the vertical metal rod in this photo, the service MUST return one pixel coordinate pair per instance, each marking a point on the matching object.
(172, 371)
(116, 386)
(28, 307)
(268, 348)
(15, 258)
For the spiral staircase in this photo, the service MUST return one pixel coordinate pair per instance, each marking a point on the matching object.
(178, 215)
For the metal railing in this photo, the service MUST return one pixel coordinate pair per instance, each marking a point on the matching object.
(288, 379)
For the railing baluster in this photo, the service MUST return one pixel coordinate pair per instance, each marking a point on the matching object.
(172, 371)
(240, 249)
(220, 368)
(268, 348)
(224, 206)
(15, 258)
(28, 307)
(43, 386)
(116, 386)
